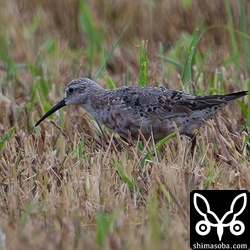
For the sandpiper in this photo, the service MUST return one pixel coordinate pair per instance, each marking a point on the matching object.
(151, 111)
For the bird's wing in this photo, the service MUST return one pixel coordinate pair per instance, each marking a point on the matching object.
(159, 102)
(162, 103)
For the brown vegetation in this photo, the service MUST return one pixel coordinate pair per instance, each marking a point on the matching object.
(58, 181)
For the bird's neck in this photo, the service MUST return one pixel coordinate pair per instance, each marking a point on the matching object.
(95, 104)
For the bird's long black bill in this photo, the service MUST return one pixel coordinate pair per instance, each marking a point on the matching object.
(53, 110)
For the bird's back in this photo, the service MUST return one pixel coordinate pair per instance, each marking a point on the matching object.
(154, 110)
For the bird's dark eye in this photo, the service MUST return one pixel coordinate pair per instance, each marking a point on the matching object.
(70, 90)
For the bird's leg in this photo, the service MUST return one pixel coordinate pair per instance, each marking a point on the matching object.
(193, 140)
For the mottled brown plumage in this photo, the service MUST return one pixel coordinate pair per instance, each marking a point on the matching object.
(152, 110)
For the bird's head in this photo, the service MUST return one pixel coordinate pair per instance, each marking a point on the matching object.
(77, 92)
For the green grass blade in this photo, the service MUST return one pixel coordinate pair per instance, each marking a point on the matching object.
(172, 61)
(211, 176)
(124, 177)
(248, 110)
(233, 41)
(244, 109)
(157, 146)
(110, 83)
(244, 40)
(187, 72)
(200, 69)
(187, 4)
(245, 142)
(154, 221)
(6, 137)
(143, 73)
(93, 35)
(111, 51)
(164, 140)
(102, 229)
(11, 67)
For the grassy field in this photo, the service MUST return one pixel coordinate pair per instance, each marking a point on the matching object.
(71, 183)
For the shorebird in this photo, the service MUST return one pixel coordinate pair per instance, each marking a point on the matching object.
(150, 110)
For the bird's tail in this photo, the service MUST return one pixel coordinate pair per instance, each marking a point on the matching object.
(234, 96)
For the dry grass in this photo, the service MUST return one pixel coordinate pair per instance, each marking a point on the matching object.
(69, 185)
